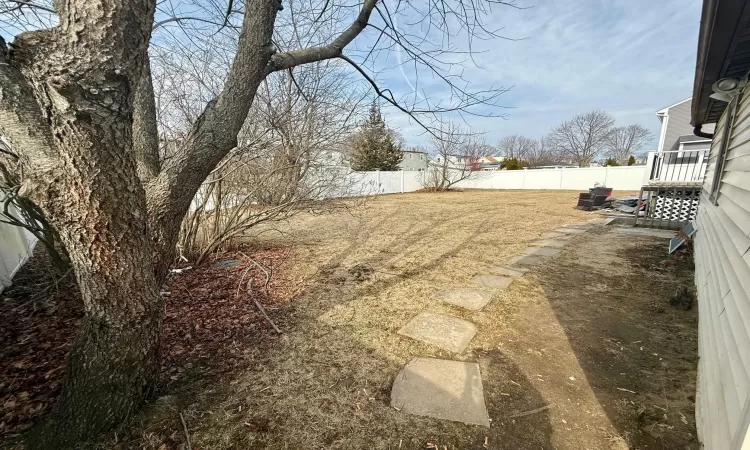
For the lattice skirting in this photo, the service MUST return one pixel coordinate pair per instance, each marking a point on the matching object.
(680, 205)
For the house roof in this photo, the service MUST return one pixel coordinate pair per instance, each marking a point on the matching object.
(723, 51)
(491, 159)
(664, 110)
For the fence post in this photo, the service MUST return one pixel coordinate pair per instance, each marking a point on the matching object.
(523, 179)
(562, 173)
(606, 172)
(377, 179)
(402, 181)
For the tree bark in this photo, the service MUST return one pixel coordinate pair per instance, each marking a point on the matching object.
(78, 100)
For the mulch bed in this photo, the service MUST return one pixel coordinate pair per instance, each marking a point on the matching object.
(207, 316)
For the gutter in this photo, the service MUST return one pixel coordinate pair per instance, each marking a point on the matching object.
(697, 131)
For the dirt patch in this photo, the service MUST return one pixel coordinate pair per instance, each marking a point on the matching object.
(611, 295)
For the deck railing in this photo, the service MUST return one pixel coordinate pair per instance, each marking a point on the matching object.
(678, 166)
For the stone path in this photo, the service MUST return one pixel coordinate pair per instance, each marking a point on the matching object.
(447, 332)
(473, 299)
(452, 390)
(492, 281)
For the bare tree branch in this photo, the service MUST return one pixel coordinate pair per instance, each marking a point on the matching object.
(289, 59)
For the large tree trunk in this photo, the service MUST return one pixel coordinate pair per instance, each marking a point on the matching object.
(71, 103)
(83, 175)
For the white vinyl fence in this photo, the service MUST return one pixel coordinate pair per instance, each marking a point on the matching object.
(625, 178)
(16, 244)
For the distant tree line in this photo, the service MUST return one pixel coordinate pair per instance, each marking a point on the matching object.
(580, 141)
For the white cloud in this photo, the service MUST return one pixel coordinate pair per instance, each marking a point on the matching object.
(628, 57)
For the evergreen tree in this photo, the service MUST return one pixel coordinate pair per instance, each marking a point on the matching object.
(513, 164)
(373, 146)
(631, 160)
(611, 162)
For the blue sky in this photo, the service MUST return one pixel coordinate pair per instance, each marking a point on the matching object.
(628, 57)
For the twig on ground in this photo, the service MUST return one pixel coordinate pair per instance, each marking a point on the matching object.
(248, 289)
(626, 390)
(187, 435)
(528, 413)
(266, 271)
(260, 307)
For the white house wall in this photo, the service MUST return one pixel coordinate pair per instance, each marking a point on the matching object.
(722, 275)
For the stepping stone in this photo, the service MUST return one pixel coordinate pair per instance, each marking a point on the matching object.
(570, 230)
(492, 281)
(553, 235)
(530, 260)
(544, 251)
(508, 272)
(468, 298)
(447, 332)
(579, 226)
(601, 221)
(549, 243)
(443, 389)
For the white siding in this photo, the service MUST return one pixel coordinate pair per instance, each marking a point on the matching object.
(722, 275)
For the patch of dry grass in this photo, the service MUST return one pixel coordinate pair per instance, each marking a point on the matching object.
(367, 272)
(364, 274)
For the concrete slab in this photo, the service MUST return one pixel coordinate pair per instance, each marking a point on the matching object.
(543, 251)
(570, 230)
(554, 235)
(473, 299)
(530, 260)
(447, 332)
(549, 243)
(443, 389)
(579, 226)
(508, 272)
(665, 234)
(492, 281)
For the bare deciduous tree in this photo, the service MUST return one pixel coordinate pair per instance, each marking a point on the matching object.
(583, 137)
(457, 156)
(541, 153)
(623, 142)
(77, 106)
(515, 146)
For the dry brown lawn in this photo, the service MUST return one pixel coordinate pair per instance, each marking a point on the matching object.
(555, 338)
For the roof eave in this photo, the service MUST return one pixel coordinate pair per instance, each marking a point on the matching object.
(718, 38)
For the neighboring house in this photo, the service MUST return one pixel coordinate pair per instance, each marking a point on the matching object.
(490, 163)
(681, 157)
(676, 129)
(454, 161)
(722, 242)
(332, 158)
(414, 160)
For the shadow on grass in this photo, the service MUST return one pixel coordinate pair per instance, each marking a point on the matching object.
(611, 296)
(322, 386)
